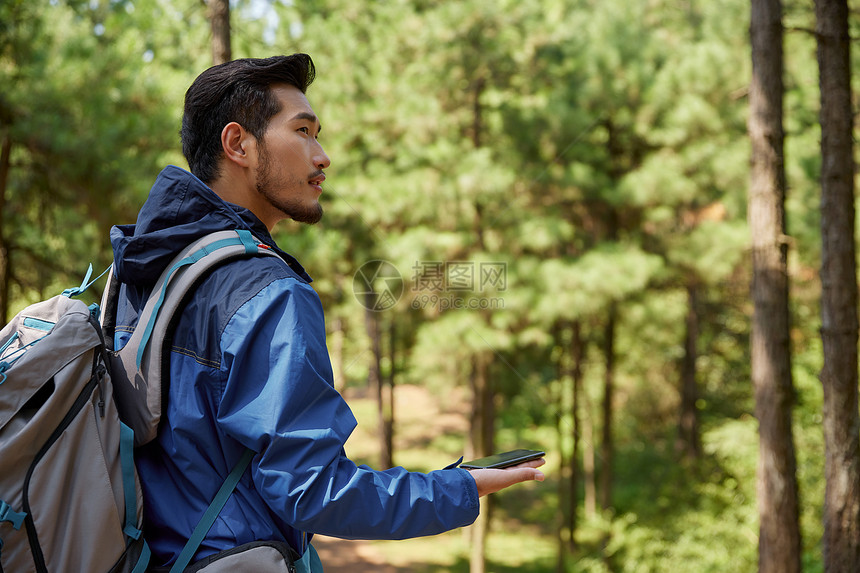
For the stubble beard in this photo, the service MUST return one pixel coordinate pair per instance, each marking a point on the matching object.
(292, 207)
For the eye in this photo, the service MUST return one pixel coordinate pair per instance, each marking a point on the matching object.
(305, 130)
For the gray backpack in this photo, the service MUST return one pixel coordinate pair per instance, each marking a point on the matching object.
(71, 411)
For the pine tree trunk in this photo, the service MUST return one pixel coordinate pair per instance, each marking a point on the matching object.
(779, 533)
(483, 424)
(474, 447)
(607, 446)
(5, 262)
(375, 379)
(688, 428)
(589, 476)
(219, 20)
(577, 351)
(483, 438)
(388, 430)
(561, 435)
(488, 417)
(479, 529)
(839, 378)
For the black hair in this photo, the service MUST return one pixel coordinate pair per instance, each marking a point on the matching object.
(235, 91)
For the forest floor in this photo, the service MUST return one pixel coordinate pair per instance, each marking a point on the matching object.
(420, 420)
(343, 556)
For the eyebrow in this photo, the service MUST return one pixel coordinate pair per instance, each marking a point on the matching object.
(308, 116)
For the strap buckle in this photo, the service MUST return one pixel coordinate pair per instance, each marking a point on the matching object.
(8, 514)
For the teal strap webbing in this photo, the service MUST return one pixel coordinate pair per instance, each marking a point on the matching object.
(310, 561)
(16, 518)
(248, 240)
(212, 512)
(38, 324)
(126, 457)
(12, 357)
(316, 563)
(189, 260)
(143, 562)
(71, 292)
(8, 343)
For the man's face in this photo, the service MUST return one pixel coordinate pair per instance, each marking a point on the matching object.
(291, 160)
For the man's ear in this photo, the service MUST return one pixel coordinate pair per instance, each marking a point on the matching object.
(238, 145)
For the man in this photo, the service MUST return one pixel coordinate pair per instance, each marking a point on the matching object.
(249, 366)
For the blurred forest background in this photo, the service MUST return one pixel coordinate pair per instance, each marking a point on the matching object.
(559, 192)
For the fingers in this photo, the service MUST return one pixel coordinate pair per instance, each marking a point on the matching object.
(527, 471)
(492, 480)
(526, 474)
(530, 464)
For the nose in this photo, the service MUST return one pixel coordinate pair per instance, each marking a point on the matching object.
(320, 159)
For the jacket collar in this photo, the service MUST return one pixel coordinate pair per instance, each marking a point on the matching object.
(180, 209)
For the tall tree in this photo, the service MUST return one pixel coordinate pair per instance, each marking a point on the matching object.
(5, 160)
(607, 443)
(577, 350)
(219, 20)
(689, 442)
(377, 386)
(841, 543)
(779, 532)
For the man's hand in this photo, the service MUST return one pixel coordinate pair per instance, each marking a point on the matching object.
(490, 481)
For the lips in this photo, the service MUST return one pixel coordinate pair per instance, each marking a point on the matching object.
(316, 181)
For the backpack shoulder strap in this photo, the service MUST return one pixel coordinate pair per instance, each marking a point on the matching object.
(138, 366)
(211, 513)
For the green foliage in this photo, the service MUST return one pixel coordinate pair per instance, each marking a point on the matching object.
(87, 127)
(595, 150)
(586, 286)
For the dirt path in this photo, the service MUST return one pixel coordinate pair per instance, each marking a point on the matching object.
(420, 418)
(344, 556)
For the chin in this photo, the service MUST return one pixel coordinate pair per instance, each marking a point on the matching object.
(310, 215)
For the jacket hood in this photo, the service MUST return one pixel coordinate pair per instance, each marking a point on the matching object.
(180, 209)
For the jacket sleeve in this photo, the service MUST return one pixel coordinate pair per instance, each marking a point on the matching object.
(279, 400)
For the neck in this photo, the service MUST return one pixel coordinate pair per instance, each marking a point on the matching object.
(238, 191)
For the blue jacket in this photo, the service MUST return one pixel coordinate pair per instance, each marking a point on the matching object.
(249, 368)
